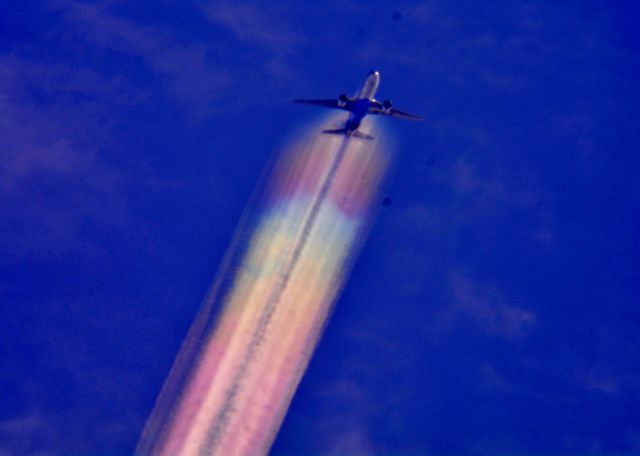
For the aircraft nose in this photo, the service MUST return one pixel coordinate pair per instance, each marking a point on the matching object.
(376, 72)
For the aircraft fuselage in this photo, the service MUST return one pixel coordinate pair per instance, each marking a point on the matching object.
(363, 101)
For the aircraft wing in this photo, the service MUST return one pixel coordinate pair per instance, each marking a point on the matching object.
(378, 108)
(332, 103)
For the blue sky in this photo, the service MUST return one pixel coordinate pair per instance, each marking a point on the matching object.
(493, 310)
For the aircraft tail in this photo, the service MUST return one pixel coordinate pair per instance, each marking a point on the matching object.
(347, 132)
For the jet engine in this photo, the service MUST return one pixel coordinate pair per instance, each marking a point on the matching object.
(386, 106)
(342, 100)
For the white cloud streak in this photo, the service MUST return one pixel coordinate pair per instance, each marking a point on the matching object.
(486, 307)
(51, 175)
(186, 67)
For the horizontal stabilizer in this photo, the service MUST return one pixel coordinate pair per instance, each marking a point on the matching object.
(344, 131)
(338, 131)
(359, 134)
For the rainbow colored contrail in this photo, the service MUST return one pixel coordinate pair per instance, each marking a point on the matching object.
(236, 373)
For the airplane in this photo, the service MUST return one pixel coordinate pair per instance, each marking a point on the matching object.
(359, 106)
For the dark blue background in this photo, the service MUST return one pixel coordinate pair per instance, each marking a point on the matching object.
(494, 308)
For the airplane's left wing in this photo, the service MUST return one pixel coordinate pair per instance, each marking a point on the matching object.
(378, 108)
(333, 103)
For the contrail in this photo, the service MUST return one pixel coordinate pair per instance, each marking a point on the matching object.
(221, 419)
(236, 373)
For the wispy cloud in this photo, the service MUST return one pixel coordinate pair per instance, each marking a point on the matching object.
(248, 24)
(188, 68)
(51, 176)
(349, 432)
(350, 438)
(486, 306)
(268, 33)
(19, 435)
(200, 73)
(611, 367)
(486, 190)
(596, 378)
(508, 58)
(52, 432)
(492, 380)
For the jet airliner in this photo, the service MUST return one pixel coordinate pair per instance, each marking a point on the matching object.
(359, 106)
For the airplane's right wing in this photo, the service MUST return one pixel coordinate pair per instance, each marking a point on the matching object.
(333, 103)
(403, 115)
(378, 108)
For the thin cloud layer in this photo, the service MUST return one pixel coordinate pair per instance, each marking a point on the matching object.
(251, 25)
(52, 177)
(486, 307)
(188, 67)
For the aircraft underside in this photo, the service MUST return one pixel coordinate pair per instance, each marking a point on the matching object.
(359, 106)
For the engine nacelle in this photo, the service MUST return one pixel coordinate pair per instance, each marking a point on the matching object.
(386, 106)
(342, 100)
